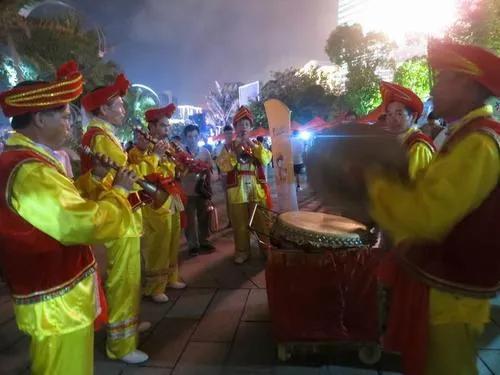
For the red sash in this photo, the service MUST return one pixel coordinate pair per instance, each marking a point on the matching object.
(173, 187)
(467, 261)
(35, 266)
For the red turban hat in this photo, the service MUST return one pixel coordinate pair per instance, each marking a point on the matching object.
(392, 92)
(243, 112)
(480, 64)
(67, 87)
(93, 100)
(155, 114)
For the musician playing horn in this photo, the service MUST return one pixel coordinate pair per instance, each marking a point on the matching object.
(162, 227)
(47, 225)
(244, 163)
(105, 105)
(446, 264)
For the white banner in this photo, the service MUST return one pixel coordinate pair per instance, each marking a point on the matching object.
(278, 117)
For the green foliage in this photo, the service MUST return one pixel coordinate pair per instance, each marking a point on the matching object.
(414, 73)
(259, 113)
(347, 45)
(478, 23)
(362, 90)
(52, 43)
(306, 94)
(364, 55)
(44, 44)
(137, 103)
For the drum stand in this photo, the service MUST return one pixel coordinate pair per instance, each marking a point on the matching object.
(369, 353)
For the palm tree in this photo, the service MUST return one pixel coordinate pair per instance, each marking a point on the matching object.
(137, 101)
(44, 44)
(222, 103)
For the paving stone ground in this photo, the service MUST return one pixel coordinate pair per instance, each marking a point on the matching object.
(220, 324)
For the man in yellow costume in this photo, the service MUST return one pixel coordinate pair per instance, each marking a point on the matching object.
(47, 226)
(445, 223)
(403, 107)
(244, 163)
(162, 227)
(123, 281)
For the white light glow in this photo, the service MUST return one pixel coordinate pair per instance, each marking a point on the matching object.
(305, 135)
(201, 143)
(149, 89)
(403, 18)
(210, 141)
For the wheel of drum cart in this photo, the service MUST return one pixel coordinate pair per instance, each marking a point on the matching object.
(284, 353)
(370, 354)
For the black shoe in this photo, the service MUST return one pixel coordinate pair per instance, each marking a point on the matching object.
(207, 247)
(194, 252)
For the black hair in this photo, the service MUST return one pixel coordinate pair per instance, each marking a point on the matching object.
(260, 139)
(382, 117)
(191, 128)
(23, 121)
(227, 128)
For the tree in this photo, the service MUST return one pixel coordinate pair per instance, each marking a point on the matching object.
(414, 73)
(478, 23)
(137, 102)
(222, 103)
(37, 46)
(365, 56)
(307, 94)
(44, 44)
(362, 92)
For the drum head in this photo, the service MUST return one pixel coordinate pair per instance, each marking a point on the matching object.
(320, 231)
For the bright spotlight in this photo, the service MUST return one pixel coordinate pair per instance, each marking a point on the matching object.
(305, 135)
(428, 17)
(201, 143)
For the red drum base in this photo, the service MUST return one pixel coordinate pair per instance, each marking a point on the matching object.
(324, 297)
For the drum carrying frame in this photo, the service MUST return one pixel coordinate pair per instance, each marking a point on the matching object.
(369, 352)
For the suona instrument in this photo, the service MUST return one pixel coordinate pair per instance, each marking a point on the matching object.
(244, 152)
(177, 154)
(156, 193)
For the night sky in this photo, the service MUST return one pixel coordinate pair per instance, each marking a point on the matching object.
(185, 45)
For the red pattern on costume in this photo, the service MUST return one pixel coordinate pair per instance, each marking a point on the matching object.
(243, 112)
(232, 180)
(469, 247)
(86, 163)
(37, 97)
(102, 318)
(32, 261)
(418, 136)
(467, 261)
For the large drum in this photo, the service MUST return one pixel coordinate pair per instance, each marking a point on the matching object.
(321, 281)
(315, 231)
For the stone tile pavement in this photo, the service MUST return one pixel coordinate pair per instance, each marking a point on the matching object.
(220, 324)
